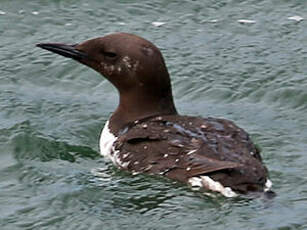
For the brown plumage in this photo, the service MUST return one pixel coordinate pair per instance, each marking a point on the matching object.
(146, 134)
(181, 147)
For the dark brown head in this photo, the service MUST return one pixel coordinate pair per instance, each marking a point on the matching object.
(133, 65)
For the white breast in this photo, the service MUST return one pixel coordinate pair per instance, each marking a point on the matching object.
(106, 142)
(107, 149)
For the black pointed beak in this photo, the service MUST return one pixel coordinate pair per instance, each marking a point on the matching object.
(68, 51)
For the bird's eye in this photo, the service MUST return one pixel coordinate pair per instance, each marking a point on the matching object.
(110, 55)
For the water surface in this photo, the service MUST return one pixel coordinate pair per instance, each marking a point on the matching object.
(53, 109)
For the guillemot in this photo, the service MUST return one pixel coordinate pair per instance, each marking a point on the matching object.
(147, 135)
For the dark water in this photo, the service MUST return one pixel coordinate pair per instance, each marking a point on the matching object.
(52, 111)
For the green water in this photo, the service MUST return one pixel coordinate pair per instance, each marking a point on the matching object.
(52, 110)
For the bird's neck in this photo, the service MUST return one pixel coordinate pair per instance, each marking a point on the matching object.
(138, 106)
